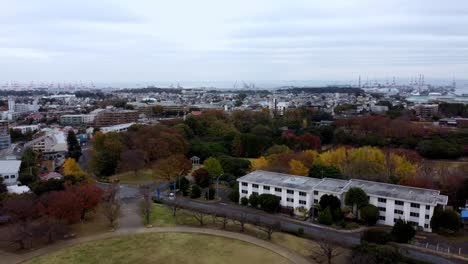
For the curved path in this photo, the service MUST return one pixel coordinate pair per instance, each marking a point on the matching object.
(286, 253)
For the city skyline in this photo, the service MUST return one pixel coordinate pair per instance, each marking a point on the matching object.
(130, 41)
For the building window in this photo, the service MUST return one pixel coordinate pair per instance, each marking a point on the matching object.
(399, 202)
(256, 193)
(382, 200)
(383, 209)
(290, 191)
(428, 207)
(302, 202)
(414, 214)
(266, 187)
(315, 192)
(302, 194)
(12, 176)
(315, 201)
(245, 184)
(427, 216)
(6, 177)
(382, 218)
(290, 200)
(413, 223)
(244, 191)
(277, 189)
(414, 205)
(255, 185)
(426, 226)
(398, 211)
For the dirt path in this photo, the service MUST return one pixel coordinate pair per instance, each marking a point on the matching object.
(290, 255)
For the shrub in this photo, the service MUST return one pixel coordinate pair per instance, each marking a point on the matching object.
(244, 201)
(352, 225)
(269, 202)
(300, 231)
(253, 200)
(370, 214)
(184, 185)
(325, 217)
(196, 192)
(234, 195)
(211, 193)
(446, 219)
(376, 236)
(402, 231)
(342, 223)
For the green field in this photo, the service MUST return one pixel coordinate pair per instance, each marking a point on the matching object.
(163, 248)
(142, 176)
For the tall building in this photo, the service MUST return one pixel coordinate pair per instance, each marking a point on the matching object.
(5, 139)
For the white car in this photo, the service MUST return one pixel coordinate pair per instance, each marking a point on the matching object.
(171, 196)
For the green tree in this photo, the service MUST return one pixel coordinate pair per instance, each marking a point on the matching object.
(446, 219)
(402, 231)
(325, 217)
(322, 171)
(357, 198)
(376, 236)
(28, 169)
(329, 201)
(269, 202)
(234, 195)
(244, 201)
(74, 148)
(370, 214)
(236, 146)
(213, 166)
(196, 192)
(253, 200)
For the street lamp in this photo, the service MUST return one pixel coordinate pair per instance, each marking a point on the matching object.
(217, 184)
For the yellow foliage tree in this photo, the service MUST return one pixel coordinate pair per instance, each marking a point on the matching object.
(259, 164)
(399, 167)
(297, 168)
(366, 163)
(337, 158)
(72, 168)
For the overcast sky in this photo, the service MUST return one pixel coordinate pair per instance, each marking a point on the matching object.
(174, 40)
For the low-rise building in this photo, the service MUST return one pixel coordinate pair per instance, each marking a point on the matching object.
(415, 205)
(5, 139)
(9, 171)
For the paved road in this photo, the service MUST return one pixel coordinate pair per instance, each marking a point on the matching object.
(286, 253)
(345, 238)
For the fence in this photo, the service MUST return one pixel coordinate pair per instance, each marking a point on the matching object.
(439, 248)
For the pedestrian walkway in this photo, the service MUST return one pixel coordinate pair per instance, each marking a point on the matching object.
(286, 253)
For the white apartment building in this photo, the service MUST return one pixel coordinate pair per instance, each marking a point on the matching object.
(415, 205)
(9, 171)
(26, 129)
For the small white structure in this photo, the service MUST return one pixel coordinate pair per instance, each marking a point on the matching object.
(116, 128)
(9, 171)
(195, 160)
(18, 189)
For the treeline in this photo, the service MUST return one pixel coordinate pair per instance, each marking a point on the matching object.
(430, 142)
(453, 109)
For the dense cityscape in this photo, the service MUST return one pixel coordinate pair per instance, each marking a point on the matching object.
(209, 132)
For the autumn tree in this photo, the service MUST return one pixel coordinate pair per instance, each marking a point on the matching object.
(259, 164)
(172, 167)
(87, 197)
(297, 168)
(23, 210)
(202, 177)
(132, 160)
(105, 153)
(236, 146)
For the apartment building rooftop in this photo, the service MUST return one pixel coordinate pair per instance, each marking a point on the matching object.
(398, 192)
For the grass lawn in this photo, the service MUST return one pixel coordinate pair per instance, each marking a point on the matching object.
(162, 216)
(163, 248)
(143, 176)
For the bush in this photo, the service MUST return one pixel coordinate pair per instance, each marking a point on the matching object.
(184, 185)
(446, 219)
(196, 192)
(202, 177)
(342, 223)
(352, 225)
(269, 202)
(244, 201)
(376, 236)
(211, 193)
(370, 214)
(234, 195)
(300, 231)
(325, 217)
(402, 231)
(253, 200)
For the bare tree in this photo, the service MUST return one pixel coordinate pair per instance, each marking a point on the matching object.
(200, 216)
(268, 228)
(111, 204)
(240, 220)
(328, 250)
(23, 211)
(147, 204)
(176, 205)
(223, 219)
